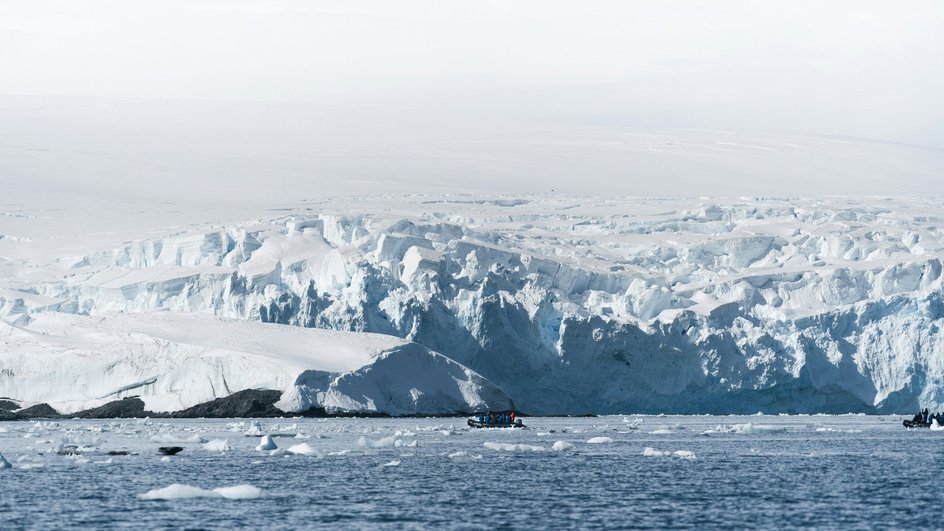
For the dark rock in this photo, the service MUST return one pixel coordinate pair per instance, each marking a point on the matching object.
(170, 450)
(8, 405)
(251, 403)
(129, 408)
(119, 452)
(39, 411)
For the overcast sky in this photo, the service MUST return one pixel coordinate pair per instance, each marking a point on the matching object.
(856, 68)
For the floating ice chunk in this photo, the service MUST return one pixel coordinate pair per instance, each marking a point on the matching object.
(4, 464)
(752, 429)
(178, 491)
(386, 441)
(266, 444)
(600, 440)
(935, 426)
(173, 438)
(661, 431)
(305, 449)
(395, 462)
(239, 492)
(217, 445)
(279, 452)
(341, 453)
(463, 457)
(652, 452)
(165, 459)
(681, 454)
(507, 447)
(562, 446)
(255, 430)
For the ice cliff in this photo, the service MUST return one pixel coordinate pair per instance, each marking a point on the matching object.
(569, 305)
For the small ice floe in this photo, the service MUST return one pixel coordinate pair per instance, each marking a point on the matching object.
(632, 424)
(508, 447)
(255, 430)
(166, 459)
(393, 440)
(305, 449)
(217, 445)
(681, 454)
(4, 464)
(279, 452)
(30, 466)
(266, 444)
(935, 426)
(562, 446)
(341, 453)
(173, 438)
(395, 462)
(600, 440)
(748, 429)
(463, 457)
(178, 491)
(652, 452)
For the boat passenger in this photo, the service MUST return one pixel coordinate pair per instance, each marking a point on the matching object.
(512, 416)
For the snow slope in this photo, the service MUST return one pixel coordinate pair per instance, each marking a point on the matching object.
(571, 304)
(176, 360)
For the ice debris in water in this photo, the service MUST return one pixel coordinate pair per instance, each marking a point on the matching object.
(746, 429)
(562, 446)
(681, 454)
(178, 491)
(935, 426)
(463, 457)
(172, 438)
(507, 447)
(266, 444)
(395, 462)
(394, 440)
(600, 440)
(255, 430)
(165, 459)
(4, 463)
(304, 449)
(217, 445)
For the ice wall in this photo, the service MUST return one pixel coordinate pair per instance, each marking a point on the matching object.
(576, 305)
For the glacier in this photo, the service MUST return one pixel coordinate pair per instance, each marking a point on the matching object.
(564, 304)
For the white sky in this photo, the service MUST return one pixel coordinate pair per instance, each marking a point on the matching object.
(856, 68)
(273, 100)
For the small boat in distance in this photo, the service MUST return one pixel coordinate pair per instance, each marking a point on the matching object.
(496, 420)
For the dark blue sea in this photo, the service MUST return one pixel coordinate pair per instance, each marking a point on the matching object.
(705, 472)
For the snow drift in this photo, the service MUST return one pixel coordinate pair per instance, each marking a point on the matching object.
(174, 361)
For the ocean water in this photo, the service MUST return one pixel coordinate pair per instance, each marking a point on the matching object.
(730, 472)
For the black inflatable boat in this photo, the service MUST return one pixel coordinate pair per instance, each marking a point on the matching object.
(476, 424)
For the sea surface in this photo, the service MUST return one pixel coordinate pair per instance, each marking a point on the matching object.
(702, 472)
